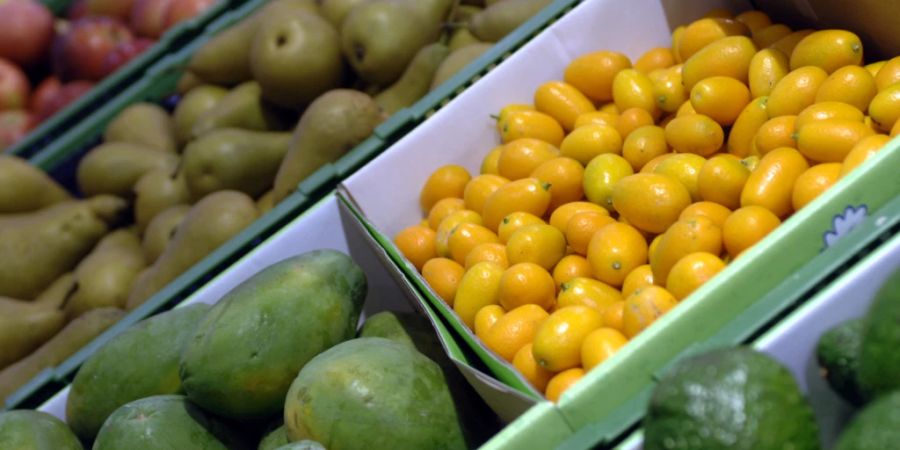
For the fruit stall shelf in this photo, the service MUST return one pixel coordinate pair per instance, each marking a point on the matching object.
(759, 285)
(845, 295)
(60, 158)
(57, 127)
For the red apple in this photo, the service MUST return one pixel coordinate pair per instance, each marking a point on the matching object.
(148, 17)
(43, 94)
(14, 86)
(67, 94)
(79, 53)
(185, 9)
(14, 124)
(26, 30)
(124, 52)
(119, 9)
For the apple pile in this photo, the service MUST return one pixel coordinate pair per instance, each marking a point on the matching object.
(48, 62)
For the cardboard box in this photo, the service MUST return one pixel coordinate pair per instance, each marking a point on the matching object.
(612, 396)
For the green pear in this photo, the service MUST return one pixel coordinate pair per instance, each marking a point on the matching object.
(500, 19)
(24, 326)
(40, 246)
(75, 335)
(335, 11)
(332, 125)
(380, 37)
(243, 107)
(146, 124)
(56, 294)
(156, 191)
(209, 224)
(189, 80)
(160, 231)
(416, 80)
(25, 188)
(225, 59)
(464, 13)
(195, 103)
(266, 202)
(113, 168)
(229, 158)
(460, 38)
(296, 56)
(104, 277)
(435, 13)
(457, 61)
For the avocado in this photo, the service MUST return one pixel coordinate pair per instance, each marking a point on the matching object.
(879, 360)
(838, 356)
(729, 398)
(877, 427)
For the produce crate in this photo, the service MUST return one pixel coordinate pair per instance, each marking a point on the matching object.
(462, 133)
(56, 127)
(60, 159)
(328, 225)
(793, 340)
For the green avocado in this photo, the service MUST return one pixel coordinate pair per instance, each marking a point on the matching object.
(877, 427)
(730, 398)
(879, 360)
(838, 356)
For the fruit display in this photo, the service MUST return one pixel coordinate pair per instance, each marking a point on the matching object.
(279, 359)
(622, 187)
(47, 62)
(267, 102)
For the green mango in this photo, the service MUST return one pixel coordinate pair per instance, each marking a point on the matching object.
(332, 125)
(415, 81)
(244, 355)
(160, 231)
(140, 362)
(194, 104)
(243, 107)
(156, 191)
(114, 167)
(274, 439)
(296, 56)
(105, 276)
(210, 223)
(35, 430)
(144, 124)
(457, 61)
(500, 19)
(25, 188)
(383, 385)
(231, 158)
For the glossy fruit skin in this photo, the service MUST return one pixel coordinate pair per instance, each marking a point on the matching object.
(490, 251)
(506, 111)
(562, 101)
(643, 144)
(561, 216)
(767, 67)
(587, 141)
(702, 32)
(527, 195)
(825, 110)
(479, 188)
(748, 122)
(633, 89)
(684, 167)
(526, 283)
(444, 276)
(681, 239)
(562, 382)
(668, 90)
(729, 56)
(795, 91)
(593, 73)
(885, 107)
(863, 150)
(570, 267)
(631, 119)
(582, 227)
(601, 176)
(79, 53)
(655, 58)
(519, 158)
(478, 287)
(514, 330)
(643, 307)
(651, 202)
(721, 180)
(491, 161)
(766, 36)
(597, 117)
(828, 49)
(525, 363)
(467, 236)
(715, 212)
(530, 124)
(772, 183)
(540, 244)
(566, 179)
(639, 277)
(787, 43)
(830, 140)
(747, 226)
(446, 181)
(446, 227)
(557, 342)
(600, 345)
(614, 251)
(443, 208)
(513, 221)
(691, 272)
(417, 244)
(774, 133)
(720, 98)
(754, 19)
(853, 85)
(813, 182)
(888, 73)
(695, 133)
(485, 318)
(26, 31)
(588, 292)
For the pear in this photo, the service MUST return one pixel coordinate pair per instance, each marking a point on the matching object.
(243, 107)
(225, 59)
(156, 191)
(113, 168)
(229, 158)
(38, 247)
(189, 80)
(56, 294)
(335, 11)
(464, 13)
(76, 334)
(24, 326)
(195, 103)
(435, 13)
(144, 124)
(500, 19)
(457, 61)
(332, 125)
(25, 188)
(104, 277)
(266, 202)
(209, 224)
(460, 38)
(296, 56)
(160, 231)
(416, 80)
(379, 38)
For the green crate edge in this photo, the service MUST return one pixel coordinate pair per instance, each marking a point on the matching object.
(54, 128)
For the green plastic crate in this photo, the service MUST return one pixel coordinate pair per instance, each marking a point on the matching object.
(56, 126)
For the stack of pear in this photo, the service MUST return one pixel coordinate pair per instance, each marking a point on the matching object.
(25, 188)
